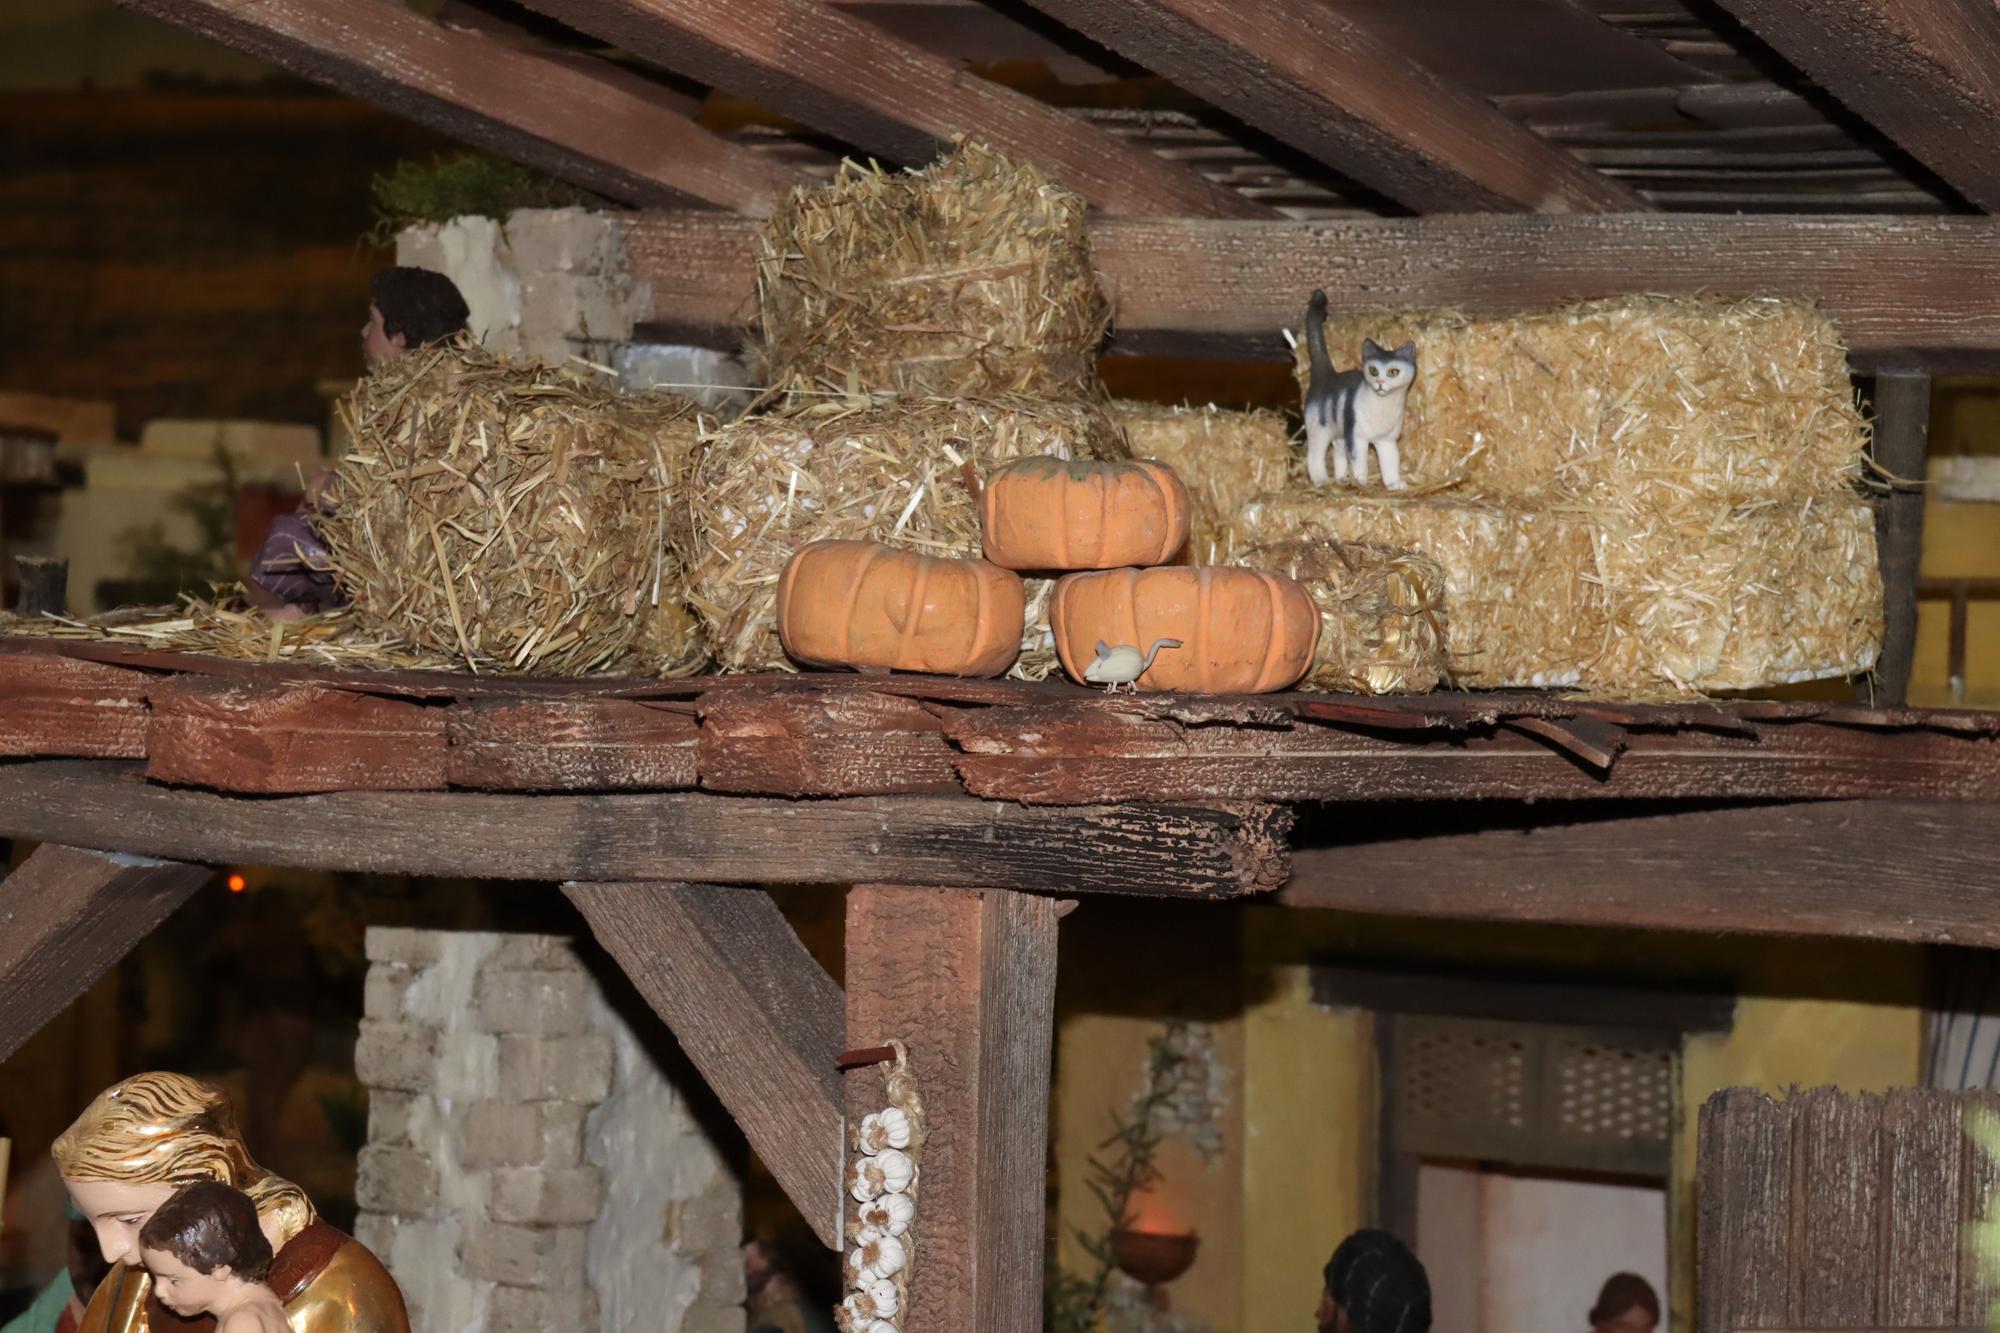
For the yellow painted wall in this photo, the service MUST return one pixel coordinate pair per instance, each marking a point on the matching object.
(1298, 1172)
(1960, 540)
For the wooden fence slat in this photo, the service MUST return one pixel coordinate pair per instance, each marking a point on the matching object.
(1919, 1230)
(1837, 1199)
(1744, 1186)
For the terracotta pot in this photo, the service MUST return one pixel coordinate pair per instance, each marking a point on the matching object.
(1153, 1258)
(862, 604)
(1050, 513)
(1242, 631)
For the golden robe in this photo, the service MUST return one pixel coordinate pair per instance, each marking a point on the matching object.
(328, 1282)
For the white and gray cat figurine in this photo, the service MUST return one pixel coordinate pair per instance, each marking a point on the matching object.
(1350, 411)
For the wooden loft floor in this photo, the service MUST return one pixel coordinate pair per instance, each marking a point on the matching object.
(1757, 816)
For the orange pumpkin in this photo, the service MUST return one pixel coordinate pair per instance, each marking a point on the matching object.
(1242, 631)
(1053, 513)
(862, 604)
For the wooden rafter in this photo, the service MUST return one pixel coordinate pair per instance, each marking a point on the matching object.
(863, 85)
(1905, 291)
(586, 121)
(67, 917)
(1903, 870)
(1186, 851)
(1924, 72)
(1325, 84)
(760, 1019)
(967, 982)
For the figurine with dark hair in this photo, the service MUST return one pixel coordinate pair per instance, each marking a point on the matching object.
(208, 1255)
(1374, 1285)
(1626, 1303)
(411, 307)
(291, 574)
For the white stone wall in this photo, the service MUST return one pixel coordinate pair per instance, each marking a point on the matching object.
(529, 1166)
(549, 283)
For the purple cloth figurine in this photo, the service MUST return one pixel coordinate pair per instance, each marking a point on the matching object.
(292, 565)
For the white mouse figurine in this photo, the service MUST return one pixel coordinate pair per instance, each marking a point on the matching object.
(1123, 665)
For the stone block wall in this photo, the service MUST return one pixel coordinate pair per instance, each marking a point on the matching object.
(529, 1166)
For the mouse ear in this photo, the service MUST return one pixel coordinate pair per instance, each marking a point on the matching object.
(1103, 648)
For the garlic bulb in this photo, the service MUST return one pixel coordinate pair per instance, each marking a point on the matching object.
(864, 1180)
(897, 1170)
(885, 1129)
(890, 1214)
(874, 1299)
(877, 1256)
(882, 1326)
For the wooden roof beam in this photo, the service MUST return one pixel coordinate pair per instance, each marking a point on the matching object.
(1906, 292)
(1326, 85)
(861, 84)
(1924, 72)
(586, 121)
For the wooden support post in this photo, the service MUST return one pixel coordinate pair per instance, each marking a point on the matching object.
(1902, 434)
(66, 917)
(760, 1019)
(44, 585)
(967, 982)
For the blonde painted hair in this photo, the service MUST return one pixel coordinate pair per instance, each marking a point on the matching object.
(169, 1129)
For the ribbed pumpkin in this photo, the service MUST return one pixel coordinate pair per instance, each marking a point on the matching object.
(1242, 631)
(863, 604)
(1054, 513)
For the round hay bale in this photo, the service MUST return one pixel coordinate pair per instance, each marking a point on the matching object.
(905, 474)
(513, 517)
(1382, 618)
(969, 278)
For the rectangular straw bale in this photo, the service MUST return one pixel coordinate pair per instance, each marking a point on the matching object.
(1650, 398)
(905, 473)
(1223, 457)
(1521, 605)
(1381, 613)
(968, 278)
(1713, 596)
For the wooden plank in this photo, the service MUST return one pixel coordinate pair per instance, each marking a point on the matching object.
(1906, 870)
(66, 918)
(1905, 291)
(586, 121)
(967, 982)
(1979, 1189)
(1328, 85)
(291, 739)
(796, 743)
(805, 59)
(1509, 996)
(1744, 1184)
(1901, 448)
(1175, 850)
(1924, 72)
(1078, 753)
(760, 1019)
(60, 706)
(1919, 1242)
(1837, 1200)
(570, 745)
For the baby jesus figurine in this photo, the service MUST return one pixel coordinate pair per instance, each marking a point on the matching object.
(209, 1256)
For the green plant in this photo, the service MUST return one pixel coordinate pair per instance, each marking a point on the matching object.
(168, 570)
(466, 184)
(1121, 1169)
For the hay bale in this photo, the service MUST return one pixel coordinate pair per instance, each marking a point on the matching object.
(969, 278)
(904, 474)
(1720, 597)
(1382, 613)
(511, 517)
(1224, 457)
(1640, 399)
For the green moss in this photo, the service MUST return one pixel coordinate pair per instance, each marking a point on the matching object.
(466, 184)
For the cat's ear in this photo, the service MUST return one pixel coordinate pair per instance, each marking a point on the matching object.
(1407, 352)
(1370, 351)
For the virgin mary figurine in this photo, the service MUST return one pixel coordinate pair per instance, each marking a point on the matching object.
(142, 1139)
